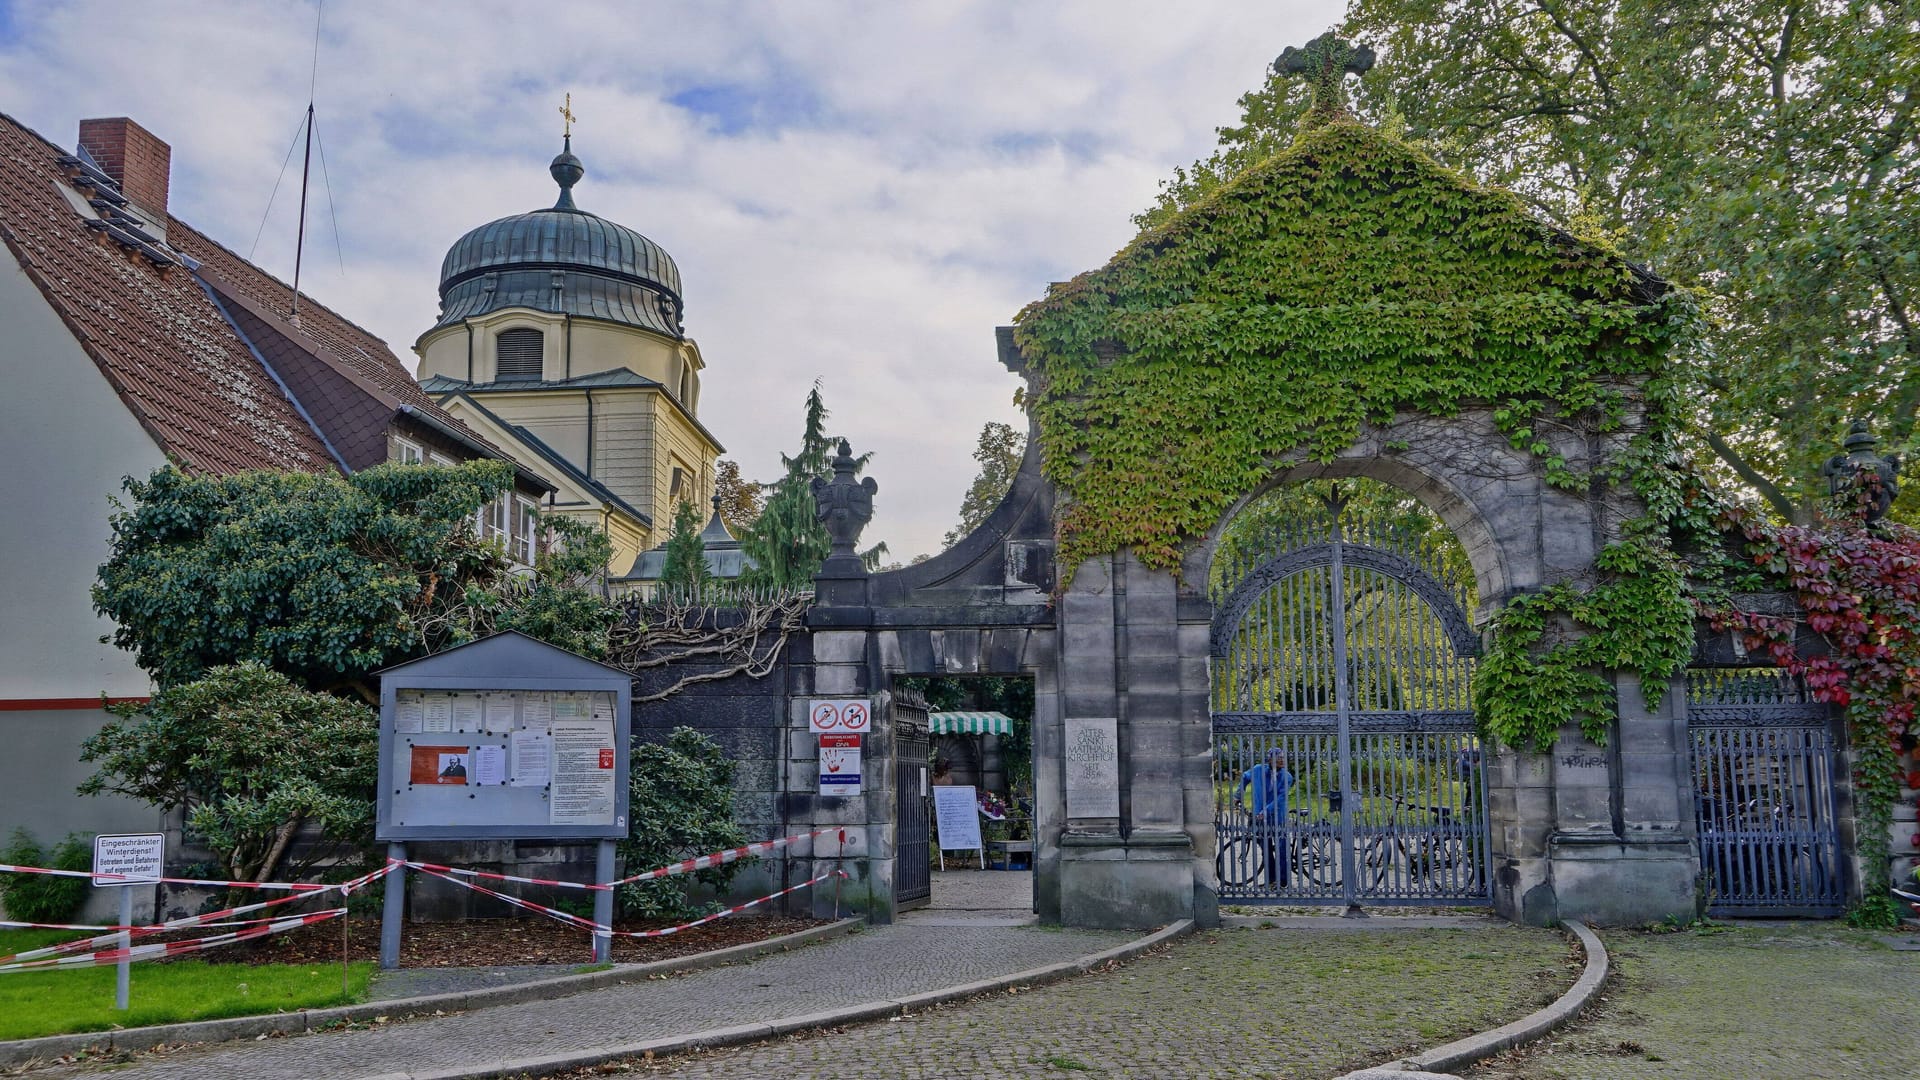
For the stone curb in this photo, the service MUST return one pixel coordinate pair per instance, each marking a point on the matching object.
(1535, 1025)
(748, 1033)
(47, 1048)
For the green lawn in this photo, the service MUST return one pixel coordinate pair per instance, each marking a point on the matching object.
(34, 1003)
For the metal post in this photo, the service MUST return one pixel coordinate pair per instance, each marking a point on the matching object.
(394, 911)
(840, 872)
(122, 978)
(1342, 705)
(603, 904)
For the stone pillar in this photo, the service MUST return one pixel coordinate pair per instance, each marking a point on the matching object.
(1119, 661)
(839, 669)
(1622, 851)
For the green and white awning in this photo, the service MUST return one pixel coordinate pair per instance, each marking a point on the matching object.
(971, 723)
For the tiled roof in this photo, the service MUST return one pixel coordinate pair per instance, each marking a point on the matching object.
(154, 332)
(363, 354)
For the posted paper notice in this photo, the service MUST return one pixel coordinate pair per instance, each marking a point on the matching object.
(408, 713)
(532, 756)
(584, 759)
(499, 713)
(489, 765)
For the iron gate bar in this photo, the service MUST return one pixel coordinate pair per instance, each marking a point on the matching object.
(1354, 660)
(1765, 769)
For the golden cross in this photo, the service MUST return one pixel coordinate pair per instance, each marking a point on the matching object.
(567, 112)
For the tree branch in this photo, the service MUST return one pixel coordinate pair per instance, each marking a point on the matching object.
(1768, 489)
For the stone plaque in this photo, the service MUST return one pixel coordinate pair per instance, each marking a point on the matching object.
(1093, 768)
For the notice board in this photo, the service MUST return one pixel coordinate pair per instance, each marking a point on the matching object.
(505, 738)
(956, 813)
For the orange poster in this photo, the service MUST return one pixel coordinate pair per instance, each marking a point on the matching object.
(440, 765)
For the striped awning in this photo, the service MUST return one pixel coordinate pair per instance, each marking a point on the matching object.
(971, 723)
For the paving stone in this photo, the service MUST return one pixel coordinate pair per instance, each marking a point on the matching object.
(878, 963)
(1753, 1001)
(1238, 1003)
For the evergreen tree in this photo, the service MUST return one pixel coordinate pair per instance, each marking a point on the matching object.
(686, 567)
(786, 544)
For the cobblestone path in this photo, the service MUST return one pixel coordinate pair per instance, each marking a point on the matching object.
(1757, 1002)
(884, 962)
(1227, 1003)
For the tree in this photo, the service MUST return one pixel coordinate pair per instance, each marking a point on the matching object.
(680, 798)
(1763, 152)
(252, 759)
(326, 578)
(739, 497)
(686, 564)
(786, 544)
(998, 452)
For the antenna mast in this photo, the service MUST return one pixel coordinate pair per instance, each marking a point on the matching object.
(306, 164)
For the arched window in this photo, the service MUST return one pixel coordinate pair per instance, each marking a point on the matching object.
(519, 352)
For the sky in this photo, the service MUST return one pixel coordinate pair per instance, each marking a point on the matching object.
(856, 193)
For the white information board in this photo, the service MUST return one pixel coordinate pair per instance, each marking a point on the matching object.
(956, 812)
(1093, 767)
(135, 857)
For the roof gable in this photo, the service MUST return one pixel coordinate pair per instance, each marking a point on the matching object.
(509, 652)
(155, 334)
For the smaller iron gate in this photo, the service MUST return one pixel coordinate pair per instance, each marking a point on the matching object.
(912, 824)
(1764, 794)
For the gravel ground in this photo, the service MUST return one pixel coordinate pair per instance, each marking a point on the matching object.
(1753, 1001)
(1224, 1003)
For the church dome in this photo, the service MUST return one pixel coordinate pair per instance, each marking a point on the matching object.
(565, 260)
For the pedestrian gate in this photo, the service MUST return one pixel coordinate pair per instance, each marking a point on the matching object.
(1343, 644)
(1764, 793)
(912, 822)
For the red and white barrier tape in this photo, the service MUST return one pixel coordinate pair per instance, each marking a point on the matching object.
(289, 886)
(735, 910)
(166, 949)
(527, 905)
(721, 858)
(703, 862)
(211, 918)
(606, 931)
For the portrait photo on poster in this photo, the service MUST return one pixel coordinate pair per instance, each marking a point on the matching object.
(439, 765)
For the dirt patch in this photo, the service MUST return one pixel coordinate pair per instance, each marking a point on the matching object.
(493, 942)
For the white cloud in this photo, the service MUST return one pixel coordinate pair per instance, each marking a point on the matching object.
(911, 176)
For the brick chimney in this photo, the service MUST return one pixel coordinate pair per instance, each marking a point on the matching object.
(137, 160)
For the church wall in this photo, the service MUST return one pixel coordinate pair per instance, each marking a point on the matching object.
(557, 417)
(623, 448)
(599, 346)
(677, 439)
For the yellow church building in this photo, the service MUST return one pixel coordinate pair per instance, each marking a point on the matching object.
(560, 340)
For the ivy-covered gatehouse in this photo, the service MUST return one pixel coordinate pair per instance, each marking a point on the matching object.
(1355, 482)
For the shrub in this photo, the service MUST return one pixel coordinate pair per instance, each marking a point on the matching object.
(44, 898)
(681, 805)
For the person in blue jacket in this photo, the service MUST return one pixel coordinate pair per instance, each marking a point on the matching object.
(1270, 782)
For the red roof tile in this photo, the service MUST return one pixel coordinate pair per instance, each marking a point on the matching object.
(154, 332)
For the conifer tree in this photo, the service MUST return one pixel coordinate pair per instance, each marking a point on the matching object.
(786, 544)
(686, 566)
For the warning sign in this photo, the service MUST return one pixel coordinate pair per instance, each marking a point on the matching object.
(828, 715)
(132, 856)
(839, 764)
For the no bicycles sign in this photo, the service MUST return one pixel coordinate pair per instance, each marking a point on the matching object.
(831, 716)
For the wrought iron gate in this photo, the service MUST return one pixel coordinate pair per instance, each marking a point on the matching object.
(1764, 794)
(1342, 645)
(912, 823)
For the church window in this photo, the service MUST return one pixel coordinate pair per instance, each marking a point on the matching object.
(519, 352)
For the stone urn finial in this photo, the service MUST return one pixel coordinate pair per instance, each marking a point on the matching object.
(1864, 465)
(844, 504)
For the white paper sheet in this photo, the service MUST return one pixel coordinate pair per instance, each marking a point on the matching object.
(489, 765)
(437, 712)
(536, 712)
(500, 712)
(466, 712)
(532, 758)
(583, 773)
(408, 713)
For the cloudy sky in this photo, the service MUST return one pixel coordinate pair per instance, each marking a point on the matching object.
(855, 192)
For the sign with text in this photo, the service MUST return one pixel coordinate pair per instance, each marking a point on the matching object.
(1093, 767)
(956, 812)
(839, 715)
(839, 764)
(136, 857)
